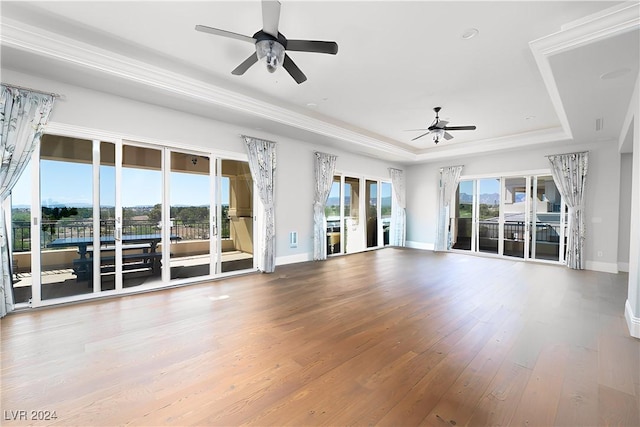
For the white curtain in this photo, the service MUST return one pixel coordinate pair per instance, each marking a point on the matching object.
(569, 174)
(449, 178)
(262, 163)
(23, 116)
(398, 216)
(325, 167)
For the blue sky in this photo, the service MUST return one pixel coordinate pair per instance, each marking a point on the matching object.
(487, 186)
(70, 183)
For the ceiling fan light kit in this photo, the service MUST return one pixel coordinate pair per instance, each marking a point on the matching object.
(272, 52)
(271, 45)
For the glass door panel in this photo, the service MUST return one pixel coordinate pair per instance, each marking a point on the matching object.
(106, 251)
(237, 226)
(66, 198)
(190, 213)
(545, 219)
(514, 204)
(140, 231)
(386, 206)
(463, 223)
(371, 197)
(332, 212)
(488, 230)
(353, 226)
(21, 238)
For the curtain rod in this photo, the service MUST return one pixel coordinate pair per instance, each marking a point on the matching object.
(55, 95)
(454, 166)
(567, 154)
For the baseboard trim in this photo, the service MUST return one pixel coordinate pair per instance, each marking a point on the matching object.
(605, 267)
(623, 266)
(633, 322)
(293, 259)
(420, 245)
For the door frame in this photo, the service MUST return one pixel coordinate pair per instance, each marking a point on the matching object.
(530, 177)
(72, 131)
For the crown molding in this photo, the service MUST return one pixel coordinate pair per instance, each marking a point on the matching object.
(42, 43)
(504, 143)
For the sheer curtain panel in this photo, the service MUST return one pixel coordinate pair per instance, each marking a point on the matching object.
(449, 178)
(569, 173)
(262, 163)
(398, 216)
(325, 167)
(23, 116)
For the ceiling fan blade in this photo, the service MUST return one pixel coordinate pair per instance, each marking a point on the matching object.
(293, 69)
(460, 128)
(270, 17)
(242, 68)
(421, 136)
(414, 130)
(442, 124)
(316, 46)
(229, 34)
(447, 136)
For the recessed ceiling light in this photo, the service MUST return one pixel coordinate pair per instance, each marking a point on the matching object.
(615, 74)
(530, 117)
(470, 33)
(312, 105)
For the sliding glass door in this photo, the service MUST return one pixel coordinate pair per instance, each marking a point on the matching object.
(515, 216)
(333, 213)
(463, 227)
(353, 226)
(66, 216)
(235, 217)
(487, 232)
(190, 195)
(546, 221)
(515, 230)
(356, 223)
(115, 215)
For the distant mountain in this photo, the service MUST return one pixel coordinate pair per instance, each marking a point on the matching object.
(485, 199)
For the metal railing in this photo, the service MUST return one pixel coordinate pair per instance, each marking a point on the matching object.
(52, 230)
(515, 230)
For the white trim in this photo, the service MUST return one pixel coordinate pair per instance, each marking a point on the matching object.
(83, 132)
(35, 40)
(623, 266)
(511, 174)
(420, 245)
(293, 259)
(605, 267)
(633, 322)
(502, 144)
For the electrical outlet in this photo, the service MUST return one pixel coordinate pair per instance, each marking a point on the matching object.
(599, 254)
(293, 239)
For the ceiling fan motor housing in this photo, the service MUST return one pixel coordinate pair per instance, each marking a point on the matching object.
(271, 49)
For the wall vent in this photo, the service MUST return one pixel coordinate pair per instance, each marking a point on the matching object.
(599, 124)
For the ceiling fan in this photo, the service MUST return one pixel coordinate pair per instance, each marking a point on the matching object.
(439, 128)
(271, 44)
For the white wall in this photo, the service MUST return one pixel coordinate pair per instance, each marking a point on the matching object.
(294, 192)
(624, 230)
(602, 196)
(632, 307)
(137, 120)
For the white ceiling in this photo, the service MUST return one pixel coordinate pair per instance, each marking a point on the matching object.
(396, 61)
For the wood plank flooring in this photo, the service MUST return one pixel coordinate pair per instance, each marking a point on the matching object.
(396, 337)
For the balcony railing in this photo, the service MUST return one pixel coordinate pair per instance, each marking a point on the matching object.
(52, 230)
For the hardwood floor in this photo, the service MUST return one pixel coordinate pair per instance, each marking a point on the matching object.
(389, 337)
